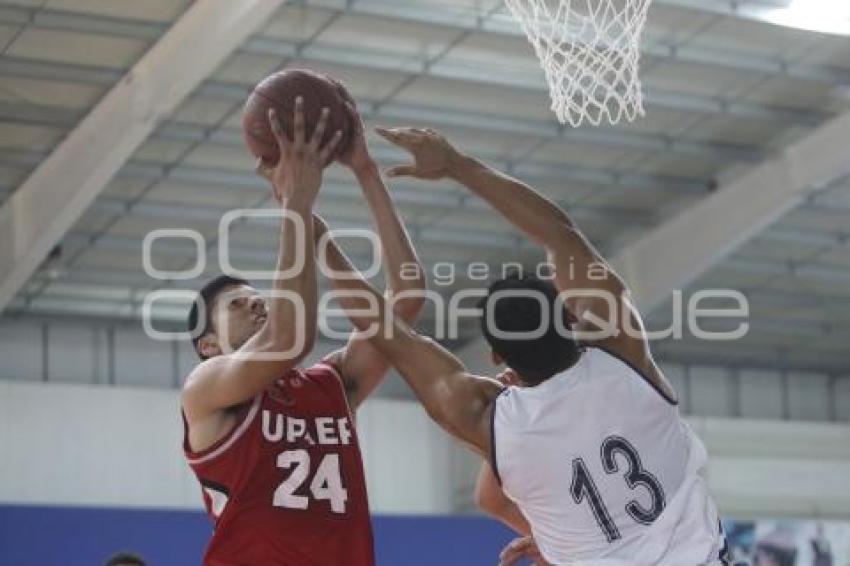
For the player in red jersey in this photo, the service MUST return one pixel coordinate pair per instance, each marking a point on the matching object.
(273, 445)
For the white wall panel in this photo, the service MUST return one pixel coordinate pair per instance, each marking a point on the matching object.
(761, 394)
(676, 374)
(101, 355)
(92, 445)
(20, 351)
(406, 458)
(477, 357)
(710, 391)
(187, 359)
(79, 352)
(808, 396)
(71, 354)
(120, 446)
(777, 468)
(142, 361)
(842, 398)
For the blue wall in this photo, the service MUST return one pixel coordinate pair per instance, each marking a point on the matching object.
(47, 536)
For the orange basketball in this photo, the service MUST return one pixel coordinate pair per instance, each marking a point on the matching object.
(279, 91)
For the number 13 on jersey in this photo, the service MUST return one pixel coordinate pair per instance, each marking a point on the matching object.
(583, 488)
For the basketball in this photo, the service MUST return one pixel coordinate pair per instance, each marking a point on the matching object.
(279, 91)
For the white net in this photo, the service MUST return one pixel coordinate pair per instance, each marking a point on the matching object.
(589, 50)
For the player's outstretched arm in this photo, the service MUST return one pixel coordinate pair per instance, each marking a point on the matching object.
(522, 551)
(529, 211)
(595, 294)
(289, 330)
(361, 365)
(492, 500)
(489, 495)
(458, 401)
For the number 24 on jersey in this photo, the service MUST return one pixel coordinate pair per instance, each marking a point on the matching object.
(326, 484)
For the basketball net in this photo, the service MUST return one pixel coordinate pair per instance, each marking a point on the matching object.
(589, 51)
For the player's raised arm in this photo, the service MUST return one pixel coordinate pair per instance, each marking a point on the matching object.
(361, 365)
(595, 295)
(234, 372)
(528, 210)
(490, 498)
(455, 399)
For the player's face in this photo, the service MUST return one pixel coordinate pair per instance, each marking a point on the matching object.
(239, 312)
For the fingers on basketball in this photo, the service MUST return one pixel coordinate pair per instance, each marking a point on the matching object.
(402, 171)
(298, 122)
(262, 169)
(319, 131)
(328, 151)
(277, 130)
(406, 138)
(266, 172)
(356, 119)
(319, 224)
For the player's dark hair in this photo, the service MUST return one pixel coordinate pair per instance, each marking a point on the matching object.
(126, 559)
(206, 296)
(535, 359)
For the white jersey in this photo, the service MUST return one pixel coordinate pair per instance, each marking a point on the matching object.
(605, 470)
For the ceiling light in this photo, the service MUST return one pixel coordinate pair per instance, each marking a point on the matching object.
(824, 16)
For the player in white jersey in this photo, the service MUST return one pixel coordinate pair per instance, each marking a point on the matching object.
(590, 449)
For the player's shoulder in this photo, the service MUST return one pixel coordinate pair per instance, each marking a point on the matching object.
(640, 365)
(195, 376)
(327, 367)
(204, 370)
(195, 382)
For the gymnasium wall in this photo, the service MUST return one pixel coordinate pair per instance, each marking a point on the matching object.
(71, 366)
(91, 457)
(90, 352)
(108, 446)
(71, 444)
(90, 433)
(87, 470)
(735, 392)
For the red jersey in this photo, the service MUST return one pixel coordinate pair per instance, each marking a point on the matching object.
(285, 487)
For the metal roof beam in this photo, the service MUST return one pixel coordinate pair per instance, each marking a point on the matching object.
(748, 356)
(483, 244)
(164, 210)
(753, 10)
(800, 271)
(372, 109)
(477, 241)
(529, 79)
(118, 283)
(533, 169)
(503, 24)
(84, 162)
(797, 236)
(677, 252)
(500, 24)
(526, 78)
